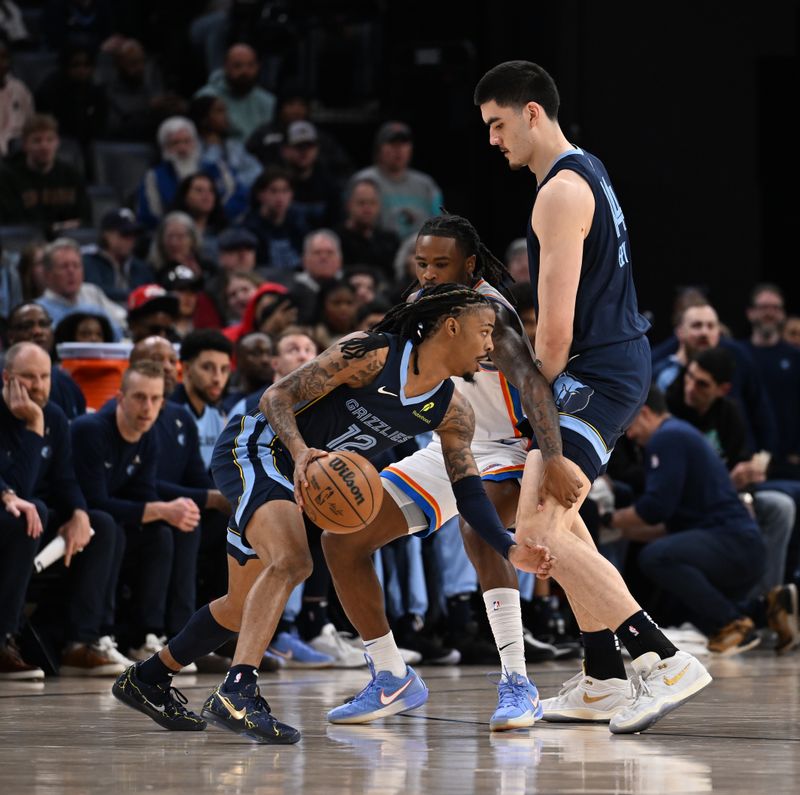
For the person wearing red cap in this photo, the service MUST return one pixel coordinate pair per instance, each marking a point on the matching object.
(152, 311)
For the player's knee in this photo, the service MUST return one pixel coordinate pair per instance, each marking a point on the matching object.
(292, 567)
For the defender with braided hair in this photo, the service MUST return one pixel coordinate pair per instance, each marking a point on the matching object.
(368, 392)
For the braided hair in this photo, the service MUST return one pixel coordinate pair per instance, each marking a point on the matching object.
(417, 320)
(487, 266)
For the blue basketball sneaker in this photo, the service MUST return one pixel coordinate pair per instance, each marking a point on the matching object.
(247, 713)
(295, 653)
(518, 705)
(384, 695)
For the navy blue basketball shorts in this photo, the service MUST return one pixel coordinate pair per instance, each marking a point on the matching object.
(248, 477)
(598, 396)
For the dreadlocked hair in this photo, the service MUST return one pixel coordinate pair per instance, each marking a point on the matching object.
(417, 320)
(487, 266)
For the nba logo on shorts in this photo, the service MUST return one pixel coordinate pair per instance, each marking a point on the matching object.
(495, 605)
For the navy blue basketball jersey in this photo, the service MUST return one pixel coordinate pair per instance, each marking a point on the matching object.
(367, 420)
(606, 309)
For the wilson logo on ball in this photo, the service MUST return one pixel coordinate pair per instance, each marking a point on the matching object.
(347, 476)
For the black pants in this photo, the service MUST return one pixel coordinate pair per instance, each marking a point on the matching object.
(17, 551)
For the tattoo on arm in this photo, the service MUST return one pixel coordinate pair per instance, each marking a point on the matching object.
(313, 380)
(456, 432)
(512, 354)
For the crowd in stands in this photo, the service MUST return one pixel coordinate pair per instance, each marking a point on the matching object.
(207, 225)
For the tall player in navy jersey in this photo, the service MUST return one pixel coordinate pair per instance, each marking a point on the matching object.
(369, 392)
(591, 346)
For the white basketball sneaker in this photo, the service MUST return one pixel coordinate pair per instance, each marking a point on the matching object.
(584, 698)
(659, 686)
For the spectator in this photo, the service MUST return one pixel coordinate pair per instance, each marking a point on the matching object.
(180, 158)
(84, 327)
(12, 24)
(198, 198)
(699, 329)
(187, 287)
(270, 310)
(408, 197)
(86, 22)
(206, 360)
(237, 251)
(137, 99)
(371, 314)
(10, 284)
(365, 281)
(38, 188)
(364, 241)
(266, 141)
(152, 311)
(293, 349)
(29, 322)
(178, 241)
(30, 268)
(71, 95)
(37, 463)
(791, 330)
(778, 363)
(254, 354)
(702, 546)
(111, 264)
(181, 474)
(316, 193)
(276, 222)
(322, 260)
(239, 289)
(65, 289)
(210, 116)
(517, 261)
(522, 297)
(236, 83)
(16, 102)
(116, 460)
(336, 310)
(703, 402)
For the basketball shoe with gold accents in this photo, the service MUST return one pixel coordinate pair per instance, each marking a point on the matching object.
(659, 686)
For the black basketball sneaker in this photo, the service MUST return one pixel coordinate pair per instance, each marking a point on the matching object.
(249, 714)
(163, 703)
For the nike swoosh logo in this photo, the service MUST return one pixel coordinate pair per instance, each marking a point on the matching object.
(507, 645)
(587, 699)
(237, 714)
(669, 681)
(382, 390)
(386, 700)
(287, 655)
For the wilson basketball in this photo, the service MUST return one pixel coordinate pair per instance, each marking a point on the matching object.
(344, 492)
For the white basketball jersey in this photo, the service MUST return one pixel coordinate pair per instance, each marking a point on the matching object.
(496, 403)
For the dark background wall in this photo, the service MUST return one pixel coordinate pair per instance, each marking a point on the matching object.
(688, 104)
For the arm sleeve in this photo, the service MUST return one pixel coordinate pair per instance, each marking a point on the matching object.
(664, 480)
(91, 449)
(476, 508)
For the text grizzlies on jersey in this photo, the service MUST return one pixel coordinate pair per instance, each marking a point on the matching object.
(369, 420)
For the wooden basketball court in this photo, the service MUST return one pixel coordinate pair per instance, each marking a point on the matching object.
(741, 735)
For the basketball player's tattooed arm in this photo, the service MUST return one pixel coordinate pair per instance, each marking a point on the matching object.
(354, 360)
(455, 433)
(514, 357)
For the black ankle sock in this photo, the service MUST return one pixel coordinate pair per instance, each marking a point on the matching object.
(602, 657)
(201, 635)
(154, 672)
(238, 677)
(641, 634)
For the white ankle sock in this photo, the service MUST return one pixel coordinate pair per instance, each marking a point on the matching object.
(385, 655)
(505, 619)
